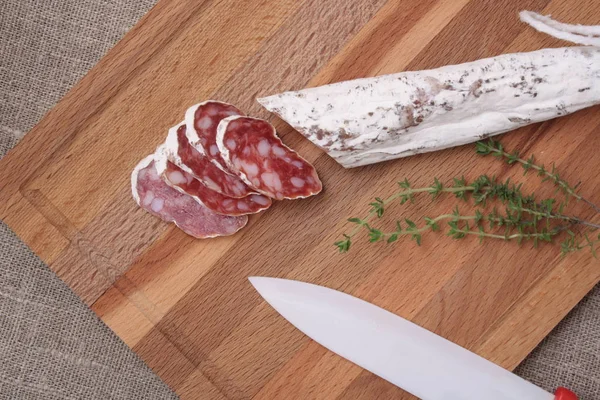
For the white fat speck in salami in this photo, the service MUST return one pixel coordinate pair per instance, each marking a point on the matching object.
(185, 156)
(260, 199)
(157, 204)
(177, 177)
(370, 120)
(269, 166)
(279, 151)
(231, 144)
(250, 168)
(201, 127)
(298, 182)
(184, 182)
(204, 123)
(228, 202)
(263, 148)
(271, 180)
(168, 204)
(148, 197)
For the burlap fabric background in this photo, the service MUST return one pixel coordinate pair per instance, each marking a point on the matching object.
(51, 345)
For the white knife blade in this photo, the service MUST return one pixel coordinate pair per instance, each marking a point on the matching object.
(399, 351)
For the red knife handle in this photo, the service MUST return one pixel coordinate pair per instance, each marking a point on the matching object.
(564, 394)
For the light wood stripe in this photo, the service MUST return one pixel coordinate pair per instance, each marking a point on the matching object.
(185, 305)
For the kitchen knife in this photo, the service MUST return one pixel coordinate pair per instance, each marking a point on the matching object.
(401, 352)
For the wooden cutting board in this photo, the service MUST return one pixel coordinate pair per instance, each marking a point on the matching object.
(185, 305)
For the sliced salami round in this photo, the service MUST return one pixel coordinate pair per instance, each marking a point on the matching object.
(251, 148)
(153, 195)
(197, 164)
(184, 182)
(201, 122)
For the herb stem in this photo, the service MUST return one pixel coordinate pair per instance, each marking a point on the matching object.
(592, 205)
(574, 220)
(454, 217)
(505, 237)
(432, 221)
(409, 192)
(586, 223)
(495, 148)
(482, 190)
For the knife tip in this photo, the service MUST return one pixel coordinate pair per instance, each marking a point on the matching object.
(256, 281)
(261, 284)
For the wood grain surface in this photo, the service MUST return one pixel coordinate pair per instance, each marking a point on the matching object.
(184, 305)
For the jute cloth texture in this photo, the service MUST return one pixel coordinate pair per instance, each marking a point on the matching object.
(51, 345)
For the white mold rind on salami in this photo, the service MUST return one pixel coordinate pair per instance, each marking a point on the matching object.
(196, 139)
(145, 162)
(251, 148)
(161, 159)
(159, 199)
(370, 120)
(192, 135)
(172, 146)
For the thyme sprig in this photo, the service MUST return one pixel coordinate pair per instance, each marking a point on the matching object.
(571, 244)
(523, 218)
(455, 230)
(495, 148)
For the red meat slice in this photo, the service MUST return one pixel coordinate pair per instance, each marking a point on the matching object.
(153, 195)
(250, 147)
(201, 121)
(199, 165)
(184, 182)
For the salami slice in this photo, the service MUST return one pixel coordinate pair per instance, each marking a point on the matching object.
(184, 182)
(201, 122)
(197, 164)
(250, 147)
(159, 199)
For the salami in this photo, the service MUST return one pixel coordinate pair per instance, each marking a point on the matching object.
(251, 148)
(201, 122)
(197, 164)
(184, 182)
(370, 120)
(153, 195)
